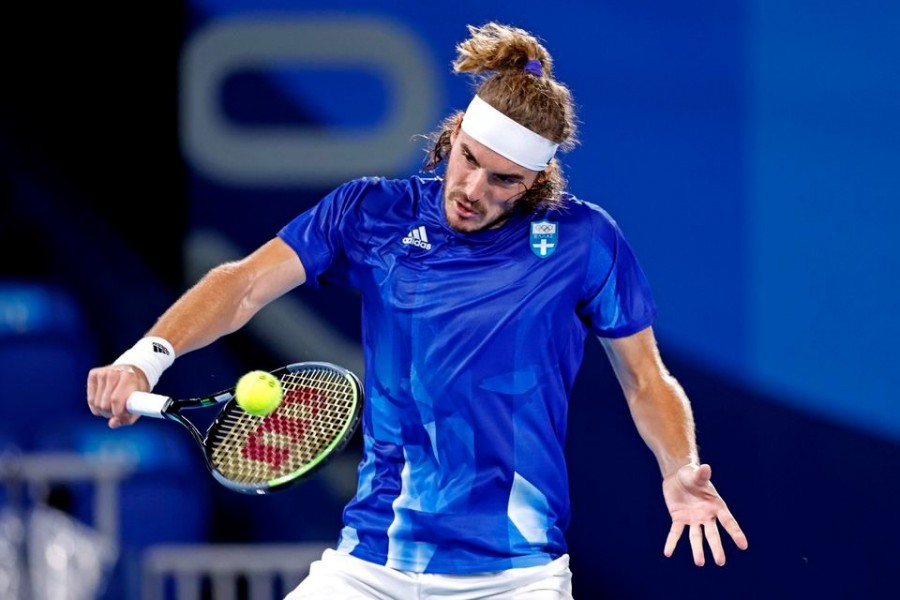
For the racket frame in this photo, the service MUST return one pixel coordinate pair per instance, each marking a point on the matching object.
(171, 408)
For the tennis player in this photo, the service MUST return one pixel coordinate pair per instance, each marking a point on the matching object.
(479, 288)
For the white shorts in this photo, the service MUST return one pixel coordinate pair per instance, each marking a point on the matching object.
(338, 576)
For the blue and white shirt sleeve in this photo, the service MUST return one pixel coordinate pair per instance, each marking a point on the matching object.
(319, 235)
(617, 298)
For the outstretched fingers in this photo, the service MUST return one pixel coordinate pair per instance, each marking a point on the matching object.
(696, 537)
(693, 502)
(715, 542)
(734, 530)
(672, 539)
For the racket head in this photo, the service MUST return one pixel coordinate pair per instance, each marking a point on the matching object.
(317, 417)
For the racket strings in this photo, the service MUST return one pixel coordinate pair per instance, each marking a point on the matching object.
(314, 415)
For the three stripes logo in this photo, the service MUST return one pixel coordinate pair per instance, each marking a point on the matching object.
(160, 349)
(417, 237)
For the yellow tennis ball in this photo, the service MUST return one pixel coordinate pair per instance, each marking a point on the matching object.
(258, 393)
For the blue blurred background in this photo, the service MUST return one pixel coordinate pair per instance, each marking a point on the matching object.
(748, 149)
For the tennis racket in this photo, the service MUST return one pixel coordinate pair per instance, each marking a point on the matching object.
(317, 416)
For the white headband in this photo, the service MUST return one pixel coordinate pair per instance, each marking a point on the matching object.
(507, 138)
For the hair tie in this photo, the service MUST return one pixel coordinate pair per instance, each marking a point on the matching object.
(534, 67)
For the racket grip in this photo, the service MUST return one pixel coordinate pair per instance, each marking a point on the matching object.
(146, 404)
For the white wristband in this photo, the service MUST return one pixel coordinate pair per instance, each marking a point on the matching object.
(152, 355)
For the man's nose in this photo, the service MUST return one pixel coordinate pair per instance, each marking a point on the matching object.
(476, 185)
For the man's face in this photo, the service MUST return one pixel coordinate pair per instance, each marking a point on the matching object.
(480, 186)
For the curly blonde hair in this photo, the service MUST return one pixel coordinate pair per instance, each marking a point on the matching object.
(497, 55)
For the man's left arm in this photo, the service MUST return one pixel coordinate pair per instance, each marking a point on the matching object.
(662, 414)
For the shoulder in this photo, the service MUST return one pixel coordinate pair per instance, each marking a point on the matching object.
(392, 185)
(376, 188)
(588, 217)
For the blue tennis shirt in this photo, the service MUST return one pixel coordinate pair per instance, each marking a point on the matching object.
(472, 343)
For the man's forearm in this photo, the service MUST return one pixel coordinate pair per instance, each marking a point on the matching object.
(212, 308)
(662, 414)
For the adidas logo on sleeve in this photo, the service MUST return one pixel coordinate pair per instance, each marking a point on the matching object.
(417, 237)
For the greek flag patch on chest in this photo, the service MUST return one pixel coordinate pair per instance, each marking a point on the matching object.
(544, 238)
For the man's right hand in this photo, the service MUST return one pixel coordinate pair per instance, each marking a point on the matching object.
(108, 389)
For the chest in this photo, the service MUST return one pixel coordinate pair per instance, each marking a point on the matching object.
(417, 267)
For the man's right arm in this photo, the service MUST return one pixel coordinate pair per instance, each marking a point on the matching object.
(222, 302)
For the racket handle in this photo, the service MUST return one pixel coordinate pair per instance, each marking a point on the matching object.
(147, 404)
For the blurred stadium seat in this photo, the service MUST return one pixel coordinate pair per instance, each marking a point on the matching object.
(164, 500)
(165, 497)
(46, 350)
